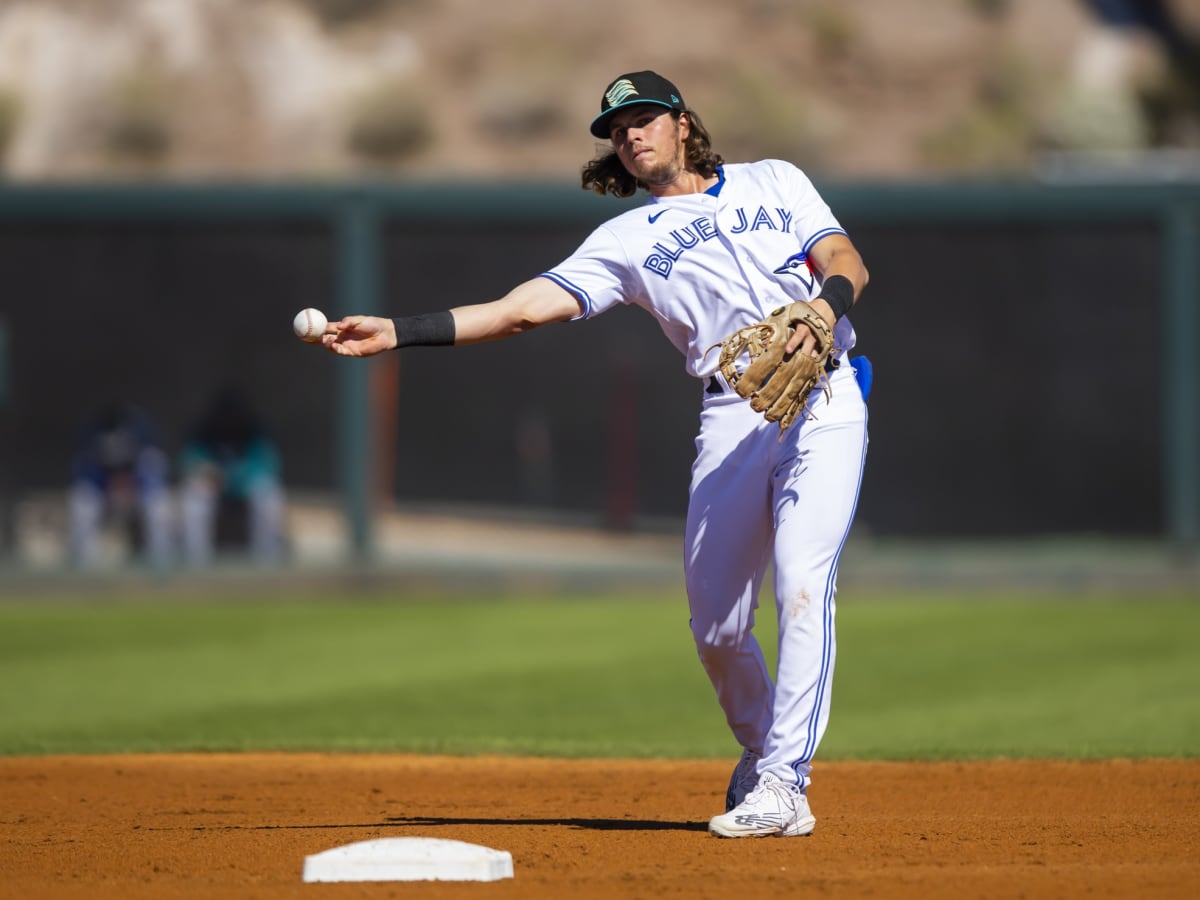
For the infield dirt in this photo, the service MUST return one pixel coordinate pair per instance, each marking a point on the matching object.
(240, 825)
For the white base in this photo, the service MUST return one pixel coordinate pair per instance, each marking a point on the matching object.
(409, 859)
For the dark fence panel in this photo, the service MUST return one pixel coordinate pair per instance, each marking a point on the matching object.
(576, 415)
(1018, 379)
(999, 407)
(161, 314)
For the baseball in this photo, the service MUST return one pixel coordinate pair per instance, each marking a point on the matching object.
(309, 325)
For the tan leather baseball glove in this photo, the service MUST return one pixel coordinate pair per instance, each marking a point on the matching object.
(778, 385)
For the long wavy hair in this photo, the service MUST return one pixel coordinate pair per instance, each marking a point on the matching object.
(606, 175)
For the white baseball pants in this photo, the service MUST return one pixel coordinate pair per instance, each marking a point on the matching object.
(755, 502)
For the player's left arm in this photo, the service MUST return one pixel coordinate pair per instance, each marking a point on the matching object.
(833, 255)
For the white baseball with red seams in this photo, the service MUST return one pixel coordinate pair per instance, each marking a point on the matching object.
(309, 325)
(704, 265)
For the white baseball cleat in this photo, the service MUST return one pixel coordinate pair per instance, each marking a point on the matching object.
(773, 809)
(743, 780)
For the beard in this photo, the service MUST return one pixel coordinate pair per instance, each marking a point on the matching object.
(663, 172)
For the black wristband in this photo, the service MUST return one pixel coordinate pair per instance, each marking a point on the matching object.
(426, 330)
(838, 292)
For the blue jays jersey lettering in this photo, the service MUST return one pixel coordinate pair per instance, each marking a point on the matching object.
(678, 257)
(661, 259)
(762, 219)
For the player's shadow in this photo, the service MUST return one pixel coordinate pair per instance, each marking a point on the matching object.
(586, 824)
(435, 821)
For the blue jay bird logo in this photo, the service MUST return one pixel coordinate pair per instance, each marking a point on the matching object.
(797, 266)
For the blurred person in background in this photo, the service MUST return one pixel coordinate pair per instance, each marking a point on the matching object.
(231, 484)
(120, 475)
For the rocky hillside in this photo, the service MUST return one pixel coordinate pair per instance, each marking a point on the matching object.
(476, 89)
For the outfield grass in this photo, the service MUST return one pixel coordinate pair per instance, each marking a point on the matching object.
(917, 677)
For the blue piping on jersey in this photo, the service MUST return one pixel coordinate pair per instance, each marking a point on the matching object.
(824, 233)
(579, 293)
(825, 675)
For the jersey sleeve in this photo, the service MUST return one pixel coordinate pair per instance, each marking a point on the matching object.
(813, 220)
(811, 216)
(596, 273)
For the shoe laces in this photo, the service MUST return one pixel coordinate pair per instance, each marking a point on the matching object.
(771, 789)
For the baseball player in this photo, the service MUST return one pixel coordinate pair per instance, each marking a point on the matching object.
(120, 470)
(716, 248)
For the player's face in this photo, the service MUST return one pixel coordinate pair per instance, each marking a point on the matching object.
(650, 143)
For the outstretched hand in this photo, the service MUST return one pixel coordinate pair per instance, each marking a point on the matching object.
(360, 336)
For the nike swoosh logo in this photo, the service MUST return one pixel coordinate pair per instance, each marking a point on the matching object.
(653, 217)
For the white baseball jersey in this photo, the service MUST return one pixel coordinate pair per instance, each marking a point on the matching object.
(707, 264)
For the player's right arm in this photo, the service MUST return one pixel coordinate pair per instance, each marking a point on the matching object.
(529, 305)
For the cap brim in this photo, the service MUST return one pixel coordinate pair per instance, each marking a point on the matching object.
(599, 127)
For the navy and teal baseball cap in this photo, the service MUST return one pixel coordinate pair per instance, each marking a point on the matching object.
(630, 90)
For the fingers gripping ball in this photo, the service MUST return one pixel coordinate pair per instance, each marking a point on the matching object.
(778, 385)
(309, 325)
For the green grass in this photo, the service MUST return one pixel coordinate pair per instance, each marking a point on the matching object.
(1031, 677)
(917, 677)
